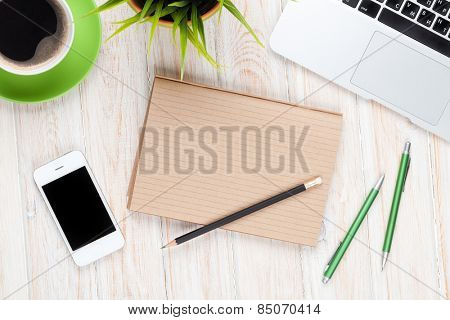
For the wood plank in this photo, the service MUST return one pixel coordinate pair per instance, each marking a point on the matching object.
(440, 161)
(113, 108)
(308, 88)
(192, 272)
(262, 268)
(408, 276)
(44, 132)
(13, 257)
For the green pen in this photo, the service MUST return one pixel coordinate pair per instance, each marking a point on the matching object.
(336, 258)
(399, 188)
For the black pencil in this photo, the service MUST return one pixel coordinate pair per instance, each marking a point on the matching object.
(245, 212)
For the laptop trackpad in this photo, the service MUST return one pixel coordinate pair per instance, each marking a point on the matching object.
(404, 77)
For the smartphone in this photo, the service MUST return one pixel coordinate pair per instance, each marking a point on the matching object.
(79, 208)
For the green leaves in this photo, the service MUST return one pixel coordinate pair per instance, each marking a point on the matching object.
(202, 50)
(187, 20)
(179, 4)
(125, 25)
(197, 27)
(194, 18)
(146, 8)
(177, 16)
(183, 43)
(221, 2)
(201, 31)
(235, 12)
(106, 6)
(155, 20)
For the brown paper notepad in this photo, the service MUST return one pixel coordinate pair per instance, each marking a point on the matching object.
(206, 153)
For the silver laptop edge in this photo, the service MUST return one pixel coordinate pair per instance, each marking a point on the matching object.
(358, 52)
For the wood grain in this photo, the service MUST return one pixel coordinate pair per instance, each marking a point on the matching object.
(103, 117)
(13, 257)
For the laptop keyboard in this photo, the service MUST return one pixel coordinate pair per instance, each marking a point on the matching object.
(426, 21)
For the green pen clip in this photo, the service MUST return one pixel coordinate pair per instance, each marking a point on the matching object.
(406, 174)
(334, 255)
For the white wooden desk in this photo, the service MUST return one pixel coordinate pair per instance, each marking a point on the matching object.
(102, 118)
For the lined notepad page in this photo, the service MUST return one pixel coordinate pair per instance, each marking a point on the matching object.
(206, 153)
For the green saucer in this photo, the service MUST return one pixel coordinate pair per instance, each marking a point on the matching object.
(69, 72)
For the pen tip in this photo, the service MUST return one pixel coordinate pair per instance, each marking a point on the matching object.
(407, 147)
(380, 182)
(385, 258)
(325, 280)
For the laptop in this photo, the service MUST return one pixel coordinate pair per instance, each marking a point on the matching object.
(396, 52)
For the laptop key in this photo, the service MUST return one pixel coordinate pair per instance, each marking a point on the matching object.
(442, 7)
(426, 3)
(410, 9)
(351, 3)
(369, 7)
(415, 31)
(395, 4)
(441, 26)
(426, 17)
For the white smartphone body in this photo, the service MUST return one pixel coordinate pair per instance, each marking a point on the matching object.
(79, 208)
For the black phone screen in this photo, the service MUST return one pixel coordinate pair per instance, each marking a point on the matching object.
(78, 208)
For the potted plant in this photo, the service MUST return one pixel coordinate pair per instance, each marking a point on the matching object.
(185, 17)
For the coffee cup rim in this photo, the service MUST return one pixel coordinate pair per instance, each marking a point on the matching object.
(51, 63)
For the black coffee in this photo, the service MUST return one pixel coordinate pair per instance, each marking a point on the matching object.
(23, 25)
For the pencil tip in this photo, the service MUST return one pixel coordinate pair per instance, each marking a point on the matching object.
(170, 244)
(325, 280)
